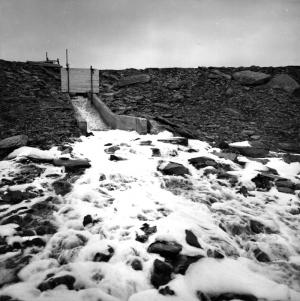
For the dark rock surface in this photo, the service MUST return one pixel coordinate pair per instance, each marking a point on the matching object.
(165, 249)
(31, 104)
(172, 168)
(211, 108)
(67, 280)
(161, 273)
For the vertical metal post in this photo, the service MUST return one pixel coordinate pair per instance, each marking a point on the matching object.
(68, 70)
(92, 71)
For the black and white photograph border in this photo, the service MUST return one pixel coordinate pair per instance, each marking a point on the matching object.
(149, 150)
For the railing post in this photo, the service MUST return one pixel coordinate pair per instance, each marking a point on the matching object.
(68, 70)
(92, 71)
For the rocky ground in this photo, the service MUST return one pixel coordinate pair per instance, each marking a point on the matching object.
(31, 104)
(209, 103)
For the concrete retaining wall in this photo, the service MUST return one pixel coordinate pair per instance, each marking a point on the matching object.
(120, 122)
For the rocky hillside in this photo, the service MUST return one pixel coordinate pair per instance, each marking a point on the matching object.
(212, 104)
(31, 103)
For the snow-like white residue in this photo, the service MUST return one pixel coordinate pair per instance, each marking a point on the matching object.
(133, 193)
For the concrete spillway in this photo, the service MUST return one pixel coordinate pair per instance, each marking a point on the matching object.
(89, 113)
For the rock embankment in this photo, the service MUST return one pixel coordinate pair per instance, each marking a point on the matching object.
(212, 104)
(31, 104)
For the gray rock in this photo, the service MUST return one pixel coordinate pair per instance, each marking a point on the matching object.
(14, 142)
(51, 283)
(134, 79)
(202, 162)
(256, 149)
(72, 164)
(176, 140)
(172, 168)
(192, 239)
(161, 273)
(165, 248)
(286, 190)
(220, 74)
(284, 82)
(62, 187)
(251, 78)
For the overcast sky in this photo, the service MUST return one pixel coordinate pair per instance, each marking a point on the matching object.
(152, 33)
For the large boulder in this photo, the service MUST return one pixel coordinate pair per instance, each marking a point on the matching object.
(172, 168)
(133, 79)
(13, 142)
(251, 78)
(284, 82)
(254, 149)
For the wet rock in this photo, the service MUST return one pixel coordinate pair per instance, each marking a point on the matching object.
(62, 187)
(161, 273)
(176, 140)
(165, 249)
(28, 232)
(289, 158)
(8, 298)
(104, 257)
(215, 254)
(10, 268)
(181, 263)
(202, 162)
(46, 228)
(111, 150)
(172, 168)
(134, 79)
(285, 183)
(146, 143)
(87, 220)
(234, 296)
(13, 219)
(261, 256)
(286, 190)
(5, 249)
(102, 177)
(284, 82)
(255, 149)
(13, 142)
(165, 291)
(37, 242)
(116, 158)
(67, 280)
(16, 196)
(256, 226)
(228, 156)
(156, 152)
(251, 78)
(191, 239)
(137, 265)
(72, 164)
(148, 231)
(263, 181)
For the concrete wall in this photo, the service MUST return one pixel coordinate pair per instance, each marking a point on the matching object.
(120, 122)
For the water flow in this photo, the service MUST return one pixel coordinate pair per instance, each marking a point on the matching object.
(89, 113)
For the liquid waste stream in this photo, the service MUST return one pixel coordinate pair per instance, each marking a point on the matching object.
(103, 258)
(89, 113)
